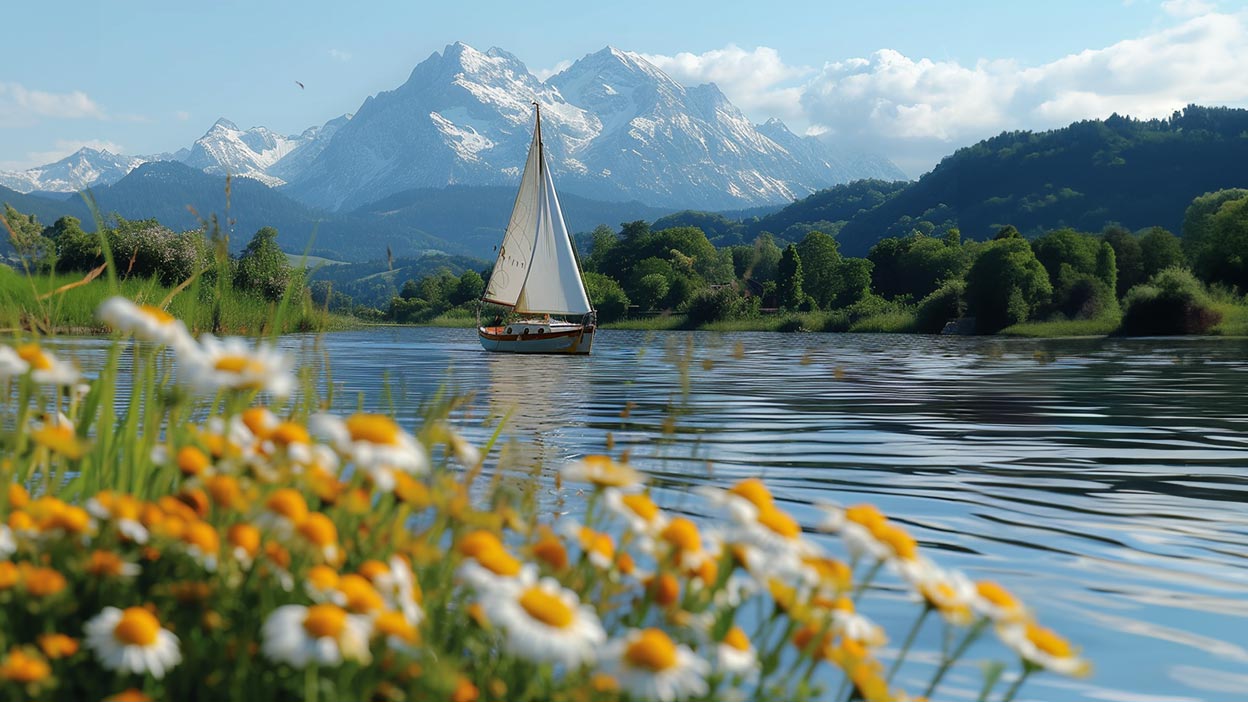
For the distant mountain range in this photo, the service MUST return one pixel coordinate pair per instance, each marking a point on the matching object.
(461, 220)
(616, 129)
(1135, 173)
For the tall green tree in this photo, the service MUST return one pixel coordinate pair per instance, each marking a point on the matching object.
(1128, 255)
(789, 280)
(1198, 221)
(821, 259)
(1006, 285)
(1224, 259)
(1159, 250)
(263, 268)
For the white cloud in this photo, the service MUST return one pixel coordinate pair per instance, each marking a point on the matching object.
(1187, 8)
(21, 106)
(60, 149)
(340, 55)
(918, 110)
(182, 115)
(757, 81)
(544, 73)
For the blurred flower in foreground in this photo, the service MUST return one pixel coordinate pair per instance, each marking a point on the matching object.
(132, 641)
(648, 665)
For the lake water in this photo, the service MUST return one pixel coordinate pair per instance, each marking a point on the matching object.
(1103, 481)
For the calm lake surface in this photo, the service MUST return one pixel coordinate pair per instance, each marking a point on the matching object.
(1104, 481)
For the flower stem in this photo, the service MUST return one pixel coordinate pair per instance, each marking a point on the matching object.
(905, 647)
(862, 586)
(1009, 694)
(957, 653)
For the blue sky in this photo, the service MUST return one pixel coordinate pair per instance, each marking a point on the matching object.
(913, 78)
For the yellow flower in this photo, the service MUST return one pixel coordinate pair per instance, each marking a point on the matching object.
(323, 634)
(133, 641)
(545, 622)
(603, 471)
(996, 603)
(40, 581)
(110, 565)
(44, 368)
(648, 665)
(58, 436)
(192, 461)
(146, 323)
(24, 667)
(56, 646)
(244, 539)
(319, 530)
(129, 695)
(1043, 647)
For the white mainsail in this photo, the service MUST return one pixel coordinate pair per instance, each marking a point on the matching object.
(516, 252)
(538, 265)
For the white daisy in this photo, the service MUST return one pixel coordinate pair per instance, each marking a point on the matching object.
(735, 655)
(8, 544)
(1043, 648)
(603, 471)
(742, 500)
(545, 622)
(636, 509)
(132, 641)
(146, 323)
(375, 443)
(949, 592)
(44, 368)
(323, 634)
(232, 364)
(648, 665)
(998, 604)
(397, 585)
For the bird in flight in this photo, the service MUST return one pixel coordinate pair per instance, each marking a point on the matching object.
(299, 84)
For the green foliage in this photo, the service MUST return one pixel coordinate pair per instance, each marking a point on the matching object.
(651, 291)
(1159, 250)
(713, 305)
(820, 264)
(263, 268)
(1107, 267)
(26, 236)
(1006, 285)
(606, 296)
(915, 265)
(1128, 256)
(758, 261)
(1223, 257)
(468, 288)
(602, 241)
(789, 279)
(943, 305)
(1198, 221)
(1171, 302)
(839, 203)
(1082, 176)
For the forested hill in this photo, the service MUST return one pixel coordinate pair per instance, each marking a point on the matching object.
(1133, 172)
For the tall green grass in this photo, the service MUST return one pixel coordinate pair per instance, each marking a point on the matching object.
(32, 301)
(1064, 327)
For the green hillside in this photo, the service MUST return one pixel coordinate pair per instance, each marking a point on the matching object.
(1119, 170)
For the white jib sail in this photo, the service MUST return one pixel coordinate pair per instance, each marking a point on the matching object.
(553, 285)
(516, 252)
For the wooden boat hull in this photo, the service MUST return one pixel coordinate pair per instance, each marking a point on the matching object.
(531, 337)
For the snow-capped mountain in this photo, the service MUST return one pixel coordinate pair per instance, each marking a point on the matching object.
(84, 168)
(247, 153)
(615, 126)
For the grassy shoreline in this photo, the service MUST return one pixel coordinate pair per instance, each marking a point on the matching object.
(63, 303)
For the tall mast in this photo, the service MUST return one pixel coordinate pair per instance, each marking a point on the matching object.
(541, 148)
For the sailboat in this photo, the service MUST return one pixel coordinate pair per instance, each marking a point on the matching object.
(537, 277)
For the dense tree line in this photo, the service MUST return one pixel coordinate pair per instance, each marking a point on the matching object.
(1151, 280)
